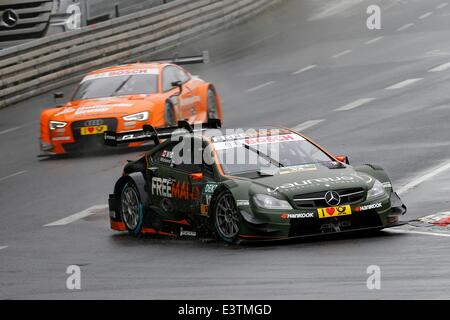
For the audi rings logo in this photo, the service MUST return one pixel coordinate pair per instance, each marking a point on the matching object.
(9, 18)
(332, 198)
(93, 123)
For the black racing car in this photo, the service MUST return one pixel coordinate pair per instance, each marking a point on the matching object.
(266, 184)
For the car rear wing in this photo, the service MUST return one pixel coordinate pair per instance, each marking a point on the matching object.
(204, 58)
(150, 133)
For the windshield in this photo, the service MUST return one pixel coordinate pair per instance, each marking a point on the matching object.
(261, 153)
(123, 85)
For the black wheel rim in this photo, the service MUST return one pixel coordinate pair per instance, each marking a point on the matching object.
(227, 218)
(130, 207)
(212, 105)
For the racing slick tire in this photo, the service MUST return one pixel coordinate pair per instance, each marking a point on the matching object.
(226, 217)
(212, 104)
(131, 208)
(169, 115)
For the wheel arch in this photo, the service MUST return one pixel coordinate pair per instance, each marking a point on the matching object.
(220, 188)
(375, 171)
(204, 97)
(157, 111)
(139, 180)
(238, 191)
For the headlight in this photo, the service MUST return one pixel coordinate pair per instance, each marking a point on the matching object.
(57, 125)
(269, 202)
(141, 116)
(376, 191)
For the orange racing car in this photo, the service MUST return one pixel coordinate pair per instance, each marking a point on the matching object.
(125, 98)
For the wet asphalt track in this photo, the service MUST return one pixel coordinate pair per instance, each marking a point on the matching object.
(340, 64)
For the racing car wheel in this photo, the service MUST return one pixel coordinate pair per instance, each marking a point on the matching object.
(226, 217)
(131, 208)
(212, 104)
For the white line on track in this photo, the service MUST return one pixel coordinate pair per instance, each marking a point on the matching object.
(374, 40)
(442, 67)
(426, 15)
(3, 247)
(13, 175)
(307, 124)
(305, 69)
(10, 130)
(355, 104)
(418, 232)
(16, 128)
(340, 54)
(77, 216)
(414, 183)
(403, 84)
(260, 86)
(442, 5)
(406, 26)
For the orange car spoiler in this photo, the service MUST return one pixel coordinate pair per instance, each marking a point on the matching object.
(150, 133)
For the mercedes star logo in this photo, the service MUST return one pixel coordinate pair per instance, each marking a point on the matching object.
(9, 18)
(332, 198)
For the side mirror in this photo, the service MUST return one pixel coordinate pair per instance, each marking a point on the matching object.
(58, 95)
(343, 159)
(198, 176)
(179, 85)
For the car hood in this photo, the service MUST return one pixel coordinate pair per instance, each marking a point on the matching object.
(299, 180)
(105, 108)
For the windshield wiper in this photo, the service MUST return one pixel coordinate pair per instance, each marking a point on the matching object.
(265, 156)
(121, 85)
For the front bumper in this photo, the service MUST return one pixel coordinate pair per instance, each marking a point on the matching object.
(114, 217)
(269, 225)
(245, 238)
(70, 139)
